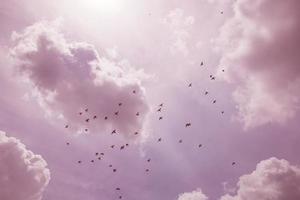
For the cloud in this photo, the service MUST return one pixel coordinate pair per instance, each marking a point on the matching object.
(260, 46)
(71, 76)
(23, 175)
(179, 24)
(273, 179)
(195, 195)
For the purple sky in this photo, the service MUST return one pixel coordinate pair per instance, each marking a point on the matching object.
(59, 57)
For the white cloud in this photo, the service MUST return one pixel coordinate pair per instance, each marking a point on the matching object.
(260, 54)
(195, 195)
(273, 179)
(23, 175)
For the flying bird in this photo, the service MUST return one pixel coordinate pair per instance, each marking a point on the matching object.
(105, 118)
(206, 93)
(109, 165)
(92, 161)
(68, 143)
(135, 133)
(118, 188)
(114, 131)
(200, 145)
(214, 101)
(233, 163)
(86, 110)
(190, 85)
(122, 147)
(188, 124)
(67, 126)
(149, 160)
(87, 120)
(120, 104)
(80, 113)
(147, 170)
(95, 116)
(112, 146)
(79, 161)
(180, 141)
(160, 118)
(133, 91)
(137, 114)
(222, 112)
(201, 64)
(114, 170)
(96, 153)
(117, 113)
(159, 110)
(161, 105)
(159, 140)
(86, 130)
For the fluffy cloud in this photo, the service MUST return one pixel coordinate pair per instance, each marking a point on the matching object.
(260, 45)
(23, 175)
(71, 76)
(179, 24)
(273, 179)
(195, 195)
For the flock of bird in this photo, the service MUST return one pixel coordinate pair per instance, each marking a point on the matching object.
(99, 156)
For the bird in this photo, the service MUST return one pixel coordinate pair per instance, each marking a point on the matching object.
(206, 93)
(86, 110)
(126, 144)
(190, 85)
(68, 143)
(80, 113)
(148, 160)
(147, 170)
(67, 126)
(114, 131)
(86, 130)
(233, 163)
(117, 113)
(159, 140)
(102, 154)
(222, 12)
(180, 141)
(223, 70)
(133, 91)
(161, 105)
(109, 165)
(137, 114)
(201, 64)
(79, 161)
(188, 124)
(213, 78)
(95, 116)
(120, 197)
(105, 118)
(200, 145)
(114, 170)
(118, 188)
(159, 110)
(135, 133)
(160, 118)
(122, 147)
(214, 101)
(112, 146)
(99, 158)
(92, 161)
(120, 104)
(87, 120)
(96, 153)
(222, 112)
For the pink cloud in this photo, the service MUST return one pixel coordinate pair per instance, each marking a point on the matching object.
(195, 195)
(272, 179)
(71, 76)
(260, 46)
(24, 175)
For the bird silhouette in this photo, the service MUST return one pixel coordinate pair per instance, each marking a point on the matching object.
(160, 118)
(159, 140)
(80, 113)
(122, 147)
(201, 64)
(233, 163)
(188, 124)
(87, 120)
(114, 131)
(190, 85)
(114, 170)
(86, 110)
(159, 110)
(137, 114)
(180, 141)
(112, 146)
(109, 165)
(135, 133)
(95, 116)
(67, 126)
(133, 91)
(79, 161)
(118, 189)
(200, 145)
(120, 104)
(149, 160)
(68, 143)
(117, 113)
(206, 93)
(86, 130)
(222, 112)
(105, 118)
(214, 101)
(161, 105)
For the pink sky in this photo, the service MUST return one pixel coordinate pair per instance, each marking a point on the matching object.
(60, 57)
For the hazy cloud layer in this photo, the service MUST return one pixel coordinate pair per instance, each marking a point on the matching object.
(23, 175)
(260, 46)
(71, 76)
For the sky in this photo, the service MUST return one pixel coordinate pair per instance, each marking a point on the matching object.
(149, 100)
